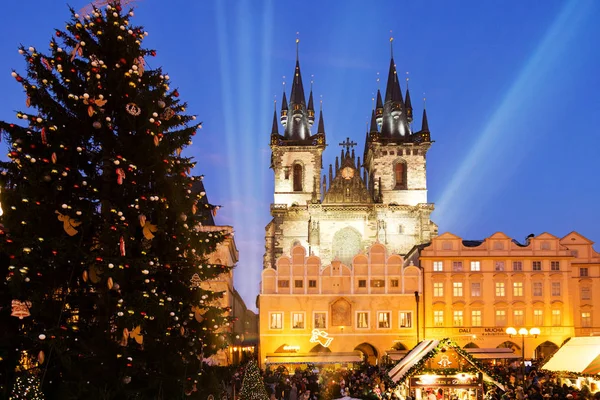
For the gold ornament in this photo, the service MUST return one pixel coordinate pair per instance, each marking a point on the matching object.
(167, 114)
(20, 309)
(133, 109)
(110, 283)
(69, 224)
(147, 228)
(136, 334)
(195, 281)
(85, 276)
(156, 141)
(41, 357)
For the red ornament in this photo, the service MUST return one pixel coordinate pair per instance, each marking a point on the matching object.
(120, 175)
(176, 93)
(44, 135)
(153, 53)
(122, 246)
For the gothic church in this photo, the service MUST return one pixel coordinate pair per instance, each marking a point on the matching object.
(357, 203)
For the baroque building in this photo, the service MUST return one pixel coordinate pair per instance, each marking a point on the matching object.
(381, 199)
(474, 289)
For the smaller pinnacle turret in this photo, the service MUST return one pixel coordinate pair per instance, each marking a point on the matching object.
(379, 109)
(311, 108)
(425, 123)
(284, 110)
(275, 129)
(408, 105)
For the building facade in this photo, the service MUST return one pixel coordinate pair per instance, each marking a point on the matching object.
(333, 249)
(474, 290)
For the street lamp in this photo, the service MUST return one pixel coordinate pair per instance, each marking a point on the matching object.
(522, 332)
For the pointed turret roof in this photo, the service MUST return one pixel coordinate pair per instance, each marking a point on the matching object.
(284, 103)
(311, 106)
(379, 101)
(407, 102)
(392, 91)
(373, 123)
(321, 127)
(425, 124)
(275, 128)
(297, 95)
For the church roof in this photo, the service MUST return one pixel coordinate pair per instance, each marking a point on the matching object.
(347, 186)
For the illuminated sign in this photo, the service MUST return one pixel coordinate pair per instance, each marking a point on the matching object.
(321, 337)
(291, 348)
(445, 381)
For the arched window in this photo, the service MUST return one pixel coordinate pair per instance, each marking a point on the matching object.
(400, 175)
(346, 244)
(297, 178)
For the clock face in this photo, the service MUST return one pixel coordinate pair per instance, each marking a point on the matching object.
(347, 173)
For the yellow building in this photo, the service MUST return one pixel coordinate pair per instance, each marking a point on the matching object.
(310, 313)
(474, 290)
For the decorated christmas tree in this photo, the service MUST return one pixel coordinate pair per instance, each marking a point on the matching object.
(102, 242)
(253, 387)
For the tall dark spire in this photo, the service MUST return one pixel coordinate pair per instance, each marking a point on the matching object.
(408, 104)
(379, 108)
(392, 90)
(373, 123)
(311, 107)
(284, 109)
(425, 123)
(275, 129)
(297, 95)
(321, 127)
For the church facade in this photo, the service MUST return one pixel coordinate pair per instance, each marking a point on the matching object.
(338, 234)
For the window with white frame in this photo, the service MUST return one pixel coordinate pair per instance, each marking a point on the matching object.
(475, 289)
(500, 289)
(320, 320)
(586, 319)
(500, 317)
(438, 266)
(438, 289)
(438, 317)
(457, 289)
(518, 289)
(475, 317)
(297, 320)
(585, 293)
(554, 265)
(538, 289)
(538, 317)
(405, 319)
(555, 288)
(458, 318)
(475, 265)
(276, 320)
(556, 317)
(362, 319)
(384, 319)
(518, 317)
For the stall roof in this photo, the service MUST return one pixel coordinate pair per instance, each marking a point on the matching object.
(579, 355)
(318, 358)
(418, 353)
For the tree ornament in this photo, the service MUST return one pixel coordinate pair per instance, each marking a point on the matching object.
(161, 104)
(91, 102)
(94, 274)
(43, 133)
(195, 281)
(156, 140)
(167, 114)
(77, 51)
(120, 175)
(69, 223)
(20, 309)
(178, 151)
(85, 276)
(122, 246)
(110, 283)
(41, 357)
(133, 109)
(136, 334)
(147, 228)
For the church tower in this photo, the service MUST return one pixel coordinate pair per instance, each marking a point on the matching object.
(296, 155)
(354, 205)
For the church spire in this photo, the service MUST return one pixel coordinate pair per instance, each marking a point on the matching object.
(311, 107)
(407, 103)
(275, 128)
(321, 127)
(298, 125)
(425, 123)
(284, 108)
(297, 95)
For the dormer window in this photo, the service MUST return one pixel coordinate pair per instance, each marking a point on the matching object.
(297, 178)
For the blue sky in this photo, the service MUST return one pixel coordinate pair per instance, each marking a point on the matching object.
(512, 87)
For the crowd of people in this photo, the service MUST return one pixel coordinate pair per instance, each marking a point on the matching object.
(372, 383)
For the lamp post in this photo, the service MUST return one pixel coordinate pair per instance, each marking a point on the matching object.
(522, 332)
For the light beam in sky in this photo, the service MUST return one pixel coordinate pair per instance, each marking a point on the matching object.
(452, 212)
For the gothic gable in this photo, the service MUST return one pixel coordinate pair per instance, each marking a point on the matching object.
(347, 187)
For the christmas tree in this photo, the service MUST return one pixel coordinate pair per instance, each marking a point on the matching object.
(253, 387)
(102, 228)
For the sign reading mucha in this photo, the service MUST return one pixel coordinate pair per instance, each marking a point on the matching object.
(341, 313)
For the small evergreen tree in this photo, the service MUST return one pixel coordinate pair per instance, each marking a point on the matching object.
(102, 228)
(253, 387)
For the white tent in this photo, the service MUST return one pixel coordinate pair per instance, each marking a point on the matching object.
(579, 355)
